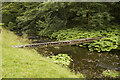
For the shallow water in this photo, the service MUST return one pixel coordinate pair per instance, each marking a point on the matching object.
(90, 64)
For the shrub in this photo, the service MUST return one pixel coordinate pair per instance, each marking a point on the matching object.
(63, 59)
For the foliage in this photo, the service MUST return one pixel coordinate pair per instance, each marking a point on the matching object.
(63, 59)
(66, 21)
(10, 11)
(45, 18)
(100, 19)
(107, 44)
(104, 44)
(111, 73)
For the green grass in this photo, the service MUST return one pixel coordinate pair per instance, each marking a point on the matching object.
(0, 55)
(27, 63)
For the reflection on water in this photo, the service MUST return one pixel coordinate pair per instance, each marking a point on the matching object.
(91, 64)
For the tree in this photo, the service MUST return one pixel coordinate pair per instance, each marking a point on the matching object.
(44, 18)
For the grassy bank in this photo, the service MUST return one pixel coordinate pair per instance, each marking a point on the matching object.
(0, 54)
(27, 63)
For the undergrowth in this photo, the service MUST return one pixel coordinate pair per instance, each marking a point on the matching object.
(104, 44)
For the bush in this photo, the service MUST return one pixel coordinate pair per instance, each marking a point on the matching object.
(63, 59)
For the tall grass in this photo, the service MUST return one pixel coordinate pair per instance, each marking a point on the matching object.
(27, 63)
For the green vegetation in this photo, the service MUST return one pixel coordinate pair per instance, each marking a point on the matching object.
(111, 73)
(0, 53)
(104, 44)
(60, 21)
(27, 63)
(66, 21)
(63, 59)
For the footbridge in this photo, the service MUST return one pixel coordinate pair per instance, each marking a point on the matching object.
(59, 43)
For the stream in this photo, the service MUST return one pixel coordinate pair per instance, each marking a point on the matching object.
(90, 64)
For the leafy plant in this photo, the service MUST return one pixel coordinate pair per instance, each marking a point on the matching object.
(66, 21)
(105, 44)
(63, 59)
(111, 73)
